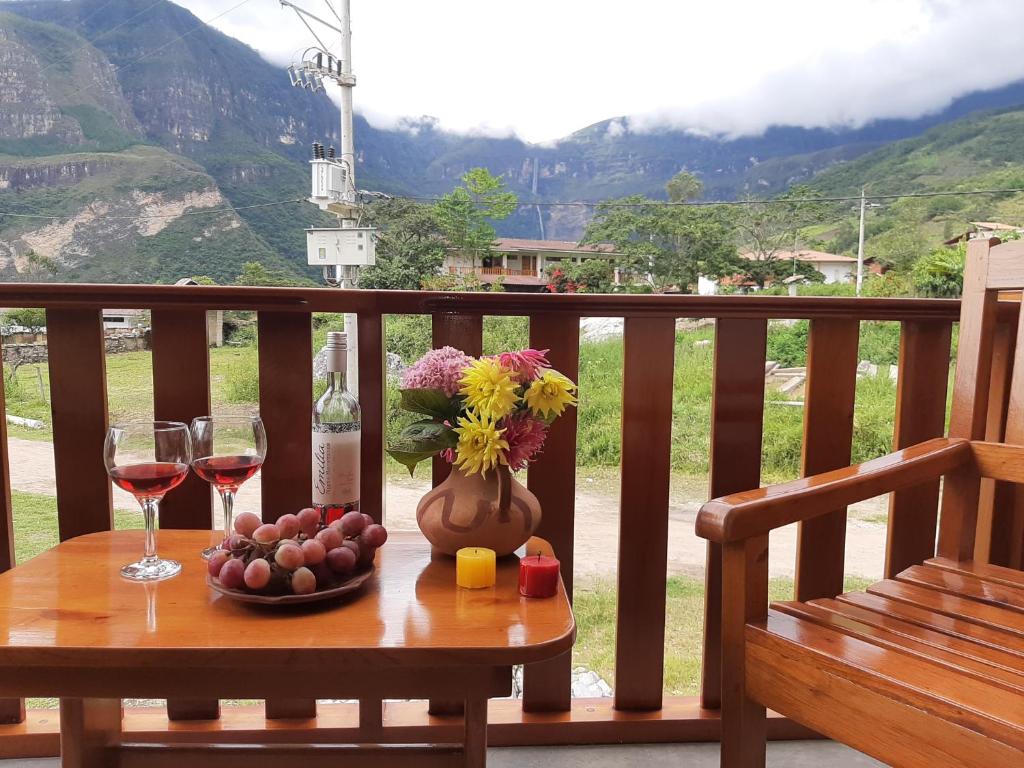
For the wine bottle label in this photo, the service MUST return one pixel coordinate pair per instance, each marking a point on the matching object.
(336, 465)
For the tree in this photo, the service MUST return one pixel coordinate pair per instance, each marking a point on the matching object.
(254, 273)
(767, 228)
(465, 214)
(684, 187)
(940, 274)
(589, 276)
(410, 245)
(26, 317)
(672, 245)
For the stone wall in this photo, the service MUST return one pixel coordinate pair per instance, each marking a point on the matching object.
(117, 342)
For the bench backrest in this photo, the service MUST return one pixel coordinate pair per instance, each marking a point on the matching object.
(988, 395)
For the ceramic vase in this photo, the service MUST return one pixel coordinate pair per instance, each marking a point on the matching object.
(492, 510)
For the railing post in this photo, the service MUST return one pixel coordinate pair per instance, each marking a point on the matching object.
(920, 415)
(465, 332)
(372, 378)
(286, 397)
(548, 685)
(78, 405)
(648, 371)
(737, 419)
(828, 435)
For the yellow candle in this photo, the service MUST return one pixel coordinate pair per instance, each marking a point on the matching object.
(474, 567)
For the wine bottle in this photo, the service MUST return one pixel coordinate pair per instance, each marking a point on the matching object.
(336, 438)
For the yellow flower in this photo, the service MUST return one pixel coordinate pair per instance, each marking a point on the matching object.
(489, 388)
(480, 446)
(550, 394)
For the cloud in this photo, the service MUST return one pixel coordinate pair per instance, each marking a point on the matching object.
(541, 70)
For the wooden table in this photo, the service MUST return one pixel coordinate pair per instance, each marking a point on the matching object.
(71, 627)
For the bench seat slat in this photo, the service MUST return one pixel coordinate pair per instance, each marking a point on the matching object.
(952, 605)
(994, 573)
(949, 641)
(954, 697)
(953, 660)
(922, 617)
(963, 585)
(878, 701)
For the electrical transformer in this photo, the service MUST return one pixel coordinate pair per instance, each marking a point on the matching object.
(341, 246)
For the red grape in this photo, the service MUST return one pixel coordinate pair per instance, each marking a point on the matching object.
(232, 574)
(217, 560)
(324, 575)
(303, 582)
(369, 520)
(352, 544)
(235, 542)
(375, 535)
(341, 560)
(314, 551)
(330, 538)
(247, 523)
(309, 521)
(289, 526)
(366, 553)
(257, 574)
(289, 557)
(352, 523)
(267, 533)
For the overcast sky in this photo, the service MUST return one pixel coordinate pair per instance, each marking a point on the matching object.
(544, 69)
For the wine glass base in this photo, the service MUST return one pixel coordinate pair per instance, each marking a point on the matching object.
(207, 553)
(151, 570)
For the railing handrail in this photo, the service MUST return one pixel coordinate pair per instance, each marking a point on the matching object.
(87, 295)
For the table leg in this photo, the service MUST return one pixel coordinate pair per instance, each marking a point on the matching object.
(476, 732)
(88, 729)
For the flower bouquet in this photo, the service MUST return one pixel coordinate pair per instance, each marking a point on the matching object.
(487, 416)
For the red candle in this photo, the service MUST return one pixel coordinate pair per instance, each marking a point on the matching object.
(538, 576)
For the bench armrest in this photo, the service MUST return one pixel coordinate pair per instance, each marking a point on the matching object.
(753, 513)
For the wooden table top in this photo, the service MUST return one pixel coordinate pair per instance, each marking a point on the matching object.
(70, 607)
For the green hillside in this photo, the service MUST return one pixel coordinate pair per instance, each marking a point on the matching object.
(980, 152)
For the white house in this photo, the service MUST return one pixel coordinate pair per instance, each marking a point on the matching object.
(522, 263)
(835, 268)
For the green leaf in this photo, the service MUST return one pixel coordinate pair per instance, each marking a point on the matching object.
(430, 402)
(428, 431)
(410, 459)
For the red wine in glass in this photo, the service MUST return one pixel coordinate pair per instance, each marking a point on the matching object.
(229, 450)
(148, 459)
(150, 479)
(227, 471)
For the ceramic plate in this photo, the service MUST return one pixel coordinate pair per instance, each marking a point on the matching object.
(346, 587)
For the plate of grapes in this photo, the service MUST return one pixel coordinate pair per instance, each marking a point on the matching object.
(298, 559)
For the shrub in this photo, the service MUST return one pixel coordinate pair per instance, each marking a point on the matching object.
(940, 274)
(242, 380)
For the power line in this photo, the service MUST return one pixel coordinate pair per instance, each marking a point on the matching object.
(776, 201)
(584, 204)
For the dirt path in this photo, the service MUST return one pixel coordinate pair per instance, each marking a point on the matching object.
(597, 518)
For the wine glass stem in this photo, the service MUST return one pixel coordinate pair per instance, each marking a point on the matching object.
(150, 511)
(227, 497)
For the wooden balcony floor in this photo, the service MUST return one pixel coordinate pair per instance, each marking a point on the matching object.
(782, 754)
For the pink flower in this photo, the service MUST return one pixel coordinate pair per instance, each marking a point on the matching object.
(524, 364)
(525, 435)
(438, 369)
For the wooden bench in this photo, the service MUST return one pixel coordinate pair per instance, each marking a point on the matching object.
(925, 668)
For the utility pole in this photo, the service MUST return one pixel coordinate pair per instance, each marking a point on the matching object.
(340, 251)
(347, 81)
(860, 244)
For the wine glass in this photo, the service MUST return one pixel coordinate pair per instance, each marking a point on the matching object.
(227, 451)
(147, 459)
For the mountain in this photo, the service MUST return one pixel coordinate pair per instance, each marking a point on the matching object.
(178, 108)
(982, 151)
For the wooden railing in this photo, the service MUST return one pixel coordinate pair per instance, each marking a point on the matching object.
(504, 271)
(547, 713)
